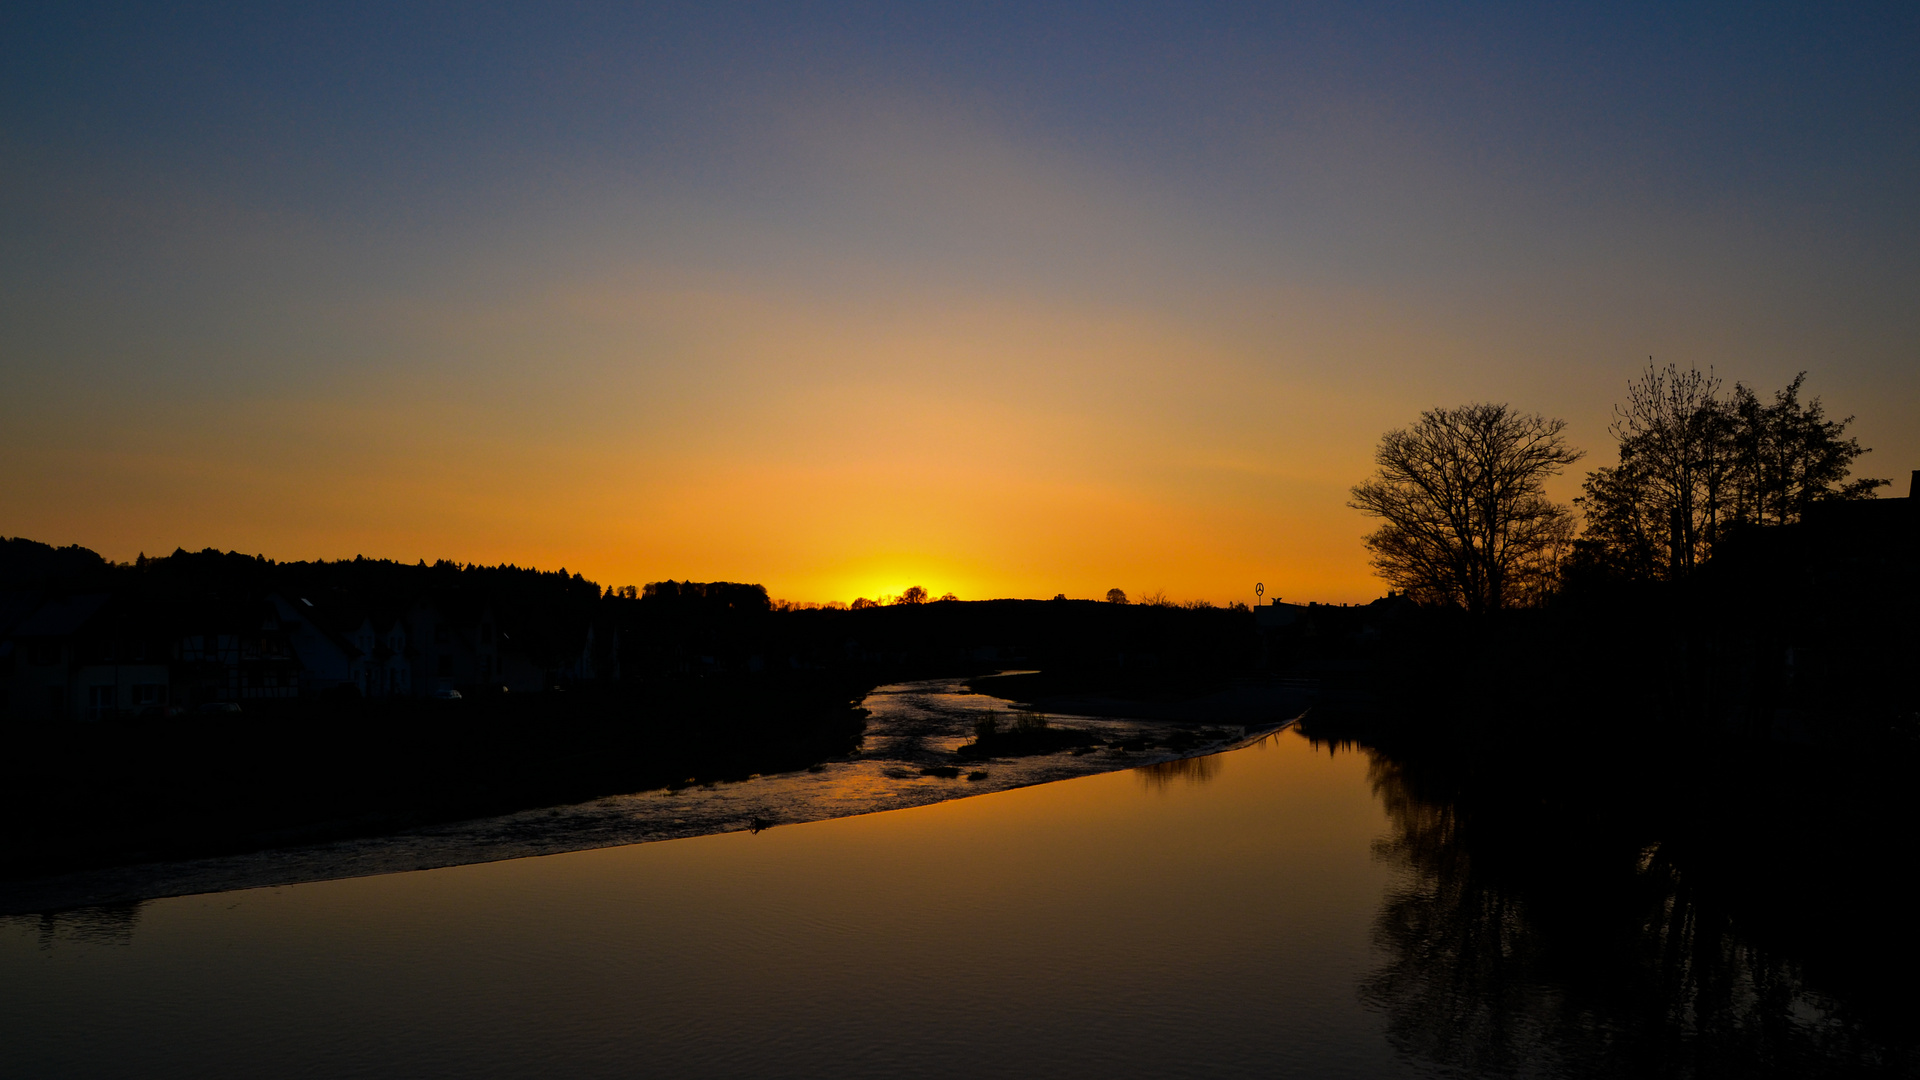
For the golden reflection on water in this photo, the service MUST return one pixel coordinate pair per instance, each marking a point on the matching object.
(1162, 775)
(1104, 926)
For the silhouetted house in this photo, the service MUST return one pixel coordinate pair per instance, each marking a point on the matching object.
(234, 651)
(325, 655)
(1278, 616)
(523, 670)
(88, 656)
(1861, 538)
(337, 647)
(449, 640)
(14, 607)
(46, 657)
(218, 628)
(546, 654)
(457, 645)
(1814, 619)
(385, 664)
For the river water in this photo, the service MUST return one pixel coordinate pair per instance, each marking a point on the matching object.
(1238, 914)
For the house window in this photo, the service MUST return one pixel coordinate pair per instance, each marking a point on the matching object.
(100, 701)
(444, 667)
(149, 694)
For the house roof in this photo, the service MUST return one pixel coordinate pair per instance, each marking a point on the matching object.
(325, 620)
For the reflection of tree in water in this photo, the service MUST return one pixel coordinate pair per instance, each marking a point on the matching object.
(105, 924)
(1521, 946)
(1162, 775)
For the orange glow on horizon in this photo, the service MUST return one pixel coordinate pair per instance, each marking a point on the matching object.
(1094, 389)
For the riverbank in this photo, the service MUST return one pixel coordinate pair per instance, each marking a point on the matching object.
(79, 797)
(1735, 876)
(911, 735)
(1244, 701)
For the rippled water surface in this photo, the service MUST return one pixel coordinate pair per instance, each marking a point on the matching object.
(906, 759)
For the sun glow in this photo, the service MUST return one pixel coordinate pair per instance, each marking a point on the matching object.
(952, 351)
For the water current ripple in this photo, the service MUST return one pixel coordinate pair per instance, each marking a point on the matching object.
(913, 729)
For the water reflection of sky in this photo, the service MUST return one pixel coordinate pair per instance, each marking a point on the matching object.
(1282, 910)
(1091, 927)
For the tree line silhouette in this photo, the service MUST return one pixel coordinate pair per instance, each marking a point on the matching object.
(1696, 468)
(1466, 520)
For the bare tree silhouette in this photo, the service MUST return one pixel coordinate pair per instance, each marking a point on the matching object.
(1467, 521)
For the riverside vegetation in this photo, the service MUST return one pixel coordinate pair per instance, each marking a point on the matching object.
(1648, 780)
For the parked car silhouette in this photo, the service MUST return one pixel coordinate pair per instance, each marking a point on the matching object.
(446, 695)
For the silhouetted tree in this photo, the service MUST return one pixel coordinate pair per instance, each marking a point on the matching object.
(1694, 466)
(1660, 507)
(914, 595)
(1788, 456)
(1467, 520)
(1116, 596)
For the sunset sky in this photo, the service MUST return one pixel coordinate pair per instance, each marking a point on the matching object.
(1006, 300)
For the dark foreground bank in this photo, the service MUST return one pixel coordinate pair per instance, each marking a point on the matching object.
(304, 771)
(1636, 900)
(921, 745)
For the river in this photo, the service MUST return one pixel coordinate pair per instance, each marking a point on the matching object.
(1237, 914)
